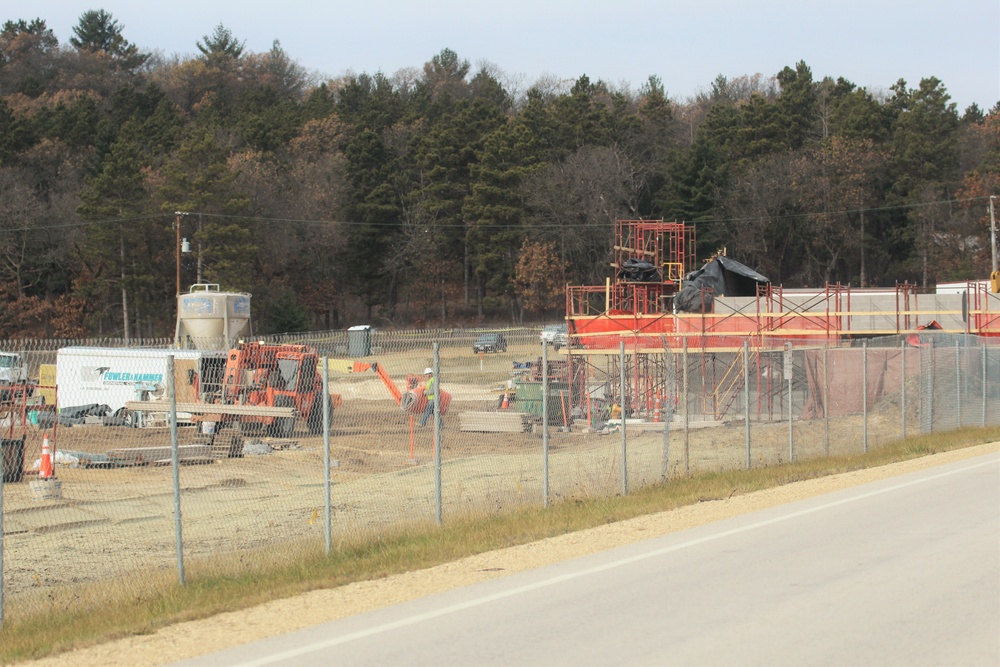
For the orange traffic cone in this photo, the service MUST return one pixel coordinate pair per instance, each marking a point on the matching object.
(656, 411)
(45, 469)
(506, 401)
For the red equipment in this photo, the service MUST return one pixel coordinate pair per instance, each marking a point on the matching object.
(275, 375)
(413, 401)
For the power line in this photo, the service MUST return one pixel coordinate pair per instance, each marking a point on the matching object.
(168, 219)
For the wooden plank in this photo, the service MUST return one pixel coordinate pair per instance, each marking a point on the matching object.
(636, 251)
(494, 422)
(149, 455)
(211, 409)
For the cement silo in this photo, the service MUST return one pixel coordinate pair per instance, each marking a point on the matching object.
(210, 319)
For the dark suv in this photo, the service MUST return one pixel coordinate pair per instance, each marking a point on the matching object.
(491, 342)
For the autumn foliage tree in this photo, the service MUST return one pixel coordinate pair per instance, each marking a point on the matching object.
(445, 192)
(540, 277)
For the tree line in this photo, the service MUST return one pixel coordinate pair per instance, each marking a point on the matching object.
(445, 194)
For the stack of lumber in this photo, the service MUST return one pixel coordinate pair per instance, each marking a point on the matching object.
(226, 447)
(494, 422)
(137, 456)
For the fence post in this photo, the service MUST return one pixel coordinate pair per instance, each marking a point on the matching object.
(667, 415)
(684, 397)
(621, 373)
(864, 391)
(826, 398)
(326, 454)
(983, 355)
(545, 424)
(902, 358)
(958, 381)
(746, 396)
(2, 578)
(437, 435)
(176, 464)
(930, 393)
(788, 372)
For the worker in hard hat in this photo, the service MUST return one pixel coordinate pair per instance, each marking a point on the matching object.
(430, 393)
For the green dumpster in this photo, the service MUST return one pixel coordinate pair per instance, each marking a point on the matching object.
(529, 400)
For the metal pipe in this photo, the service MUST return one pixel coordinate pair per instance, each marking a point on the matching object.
(328, 510)
(864, 390)
(826, 398)
(746, 396)
(176, 464)
(665, 415)
(621, 373)
(983, 357)
(684, 397)
(2, 473)
(545, 424)
(958, 381)
(927, 399)
(902, 355)
(437, 435)
(788, 373)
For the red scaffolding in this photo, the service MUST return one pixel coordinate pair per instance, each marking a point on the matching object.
(635, 307)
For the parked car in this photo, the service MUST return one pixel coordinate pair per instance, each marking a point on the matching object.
(555, 334)
(491, 342)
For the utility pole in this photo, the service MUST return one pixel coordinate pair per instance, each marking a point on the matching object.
(177, 230)
(182, 245)
(993, 232)
(198, 278)
(994, 276)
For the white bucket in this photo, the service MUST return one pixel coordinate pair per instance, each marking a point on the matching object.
(48, 488)
(208, 428)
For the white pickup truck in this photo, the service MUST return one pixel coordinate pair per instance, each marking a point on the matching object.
(554, 334)
(12, 371)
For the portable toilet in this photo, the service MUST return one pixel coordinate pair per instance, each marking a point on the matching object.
(359, 341)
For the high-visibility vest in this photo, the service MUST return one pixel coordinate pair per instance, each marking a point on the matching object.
(430, 389)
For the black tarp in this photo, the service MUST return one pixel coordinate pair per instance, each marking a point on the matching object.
(638, 271)
(724, 277)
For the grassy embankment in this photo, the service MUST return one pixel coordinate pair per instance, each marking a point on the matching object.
(103, 613)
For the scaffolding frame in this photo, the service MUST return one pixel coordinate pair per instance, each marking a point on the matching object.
(638, 308)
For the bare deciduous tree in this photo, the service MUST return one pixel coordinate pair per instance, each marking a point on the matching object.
(576, 203)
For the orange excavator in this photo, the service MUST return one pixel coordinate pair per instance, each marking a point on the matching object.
(412, 400)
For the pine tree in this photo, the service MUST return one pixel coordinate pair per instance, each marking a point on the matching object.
(98, 32)
(113, 200)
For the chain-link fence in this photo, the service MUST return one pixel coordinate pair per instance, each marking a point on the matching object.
(167, 463)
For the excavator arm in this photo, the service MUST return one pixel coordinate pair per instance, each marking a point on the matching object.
(360, 367)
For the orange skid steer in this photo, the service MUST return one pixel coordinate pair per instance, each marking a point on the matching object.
(270, 375)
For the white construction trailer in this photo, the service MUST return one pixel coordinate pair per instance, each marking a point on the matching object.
(113, 376)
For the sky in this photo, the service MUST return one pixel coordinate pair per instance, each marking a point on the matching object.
(686, 43)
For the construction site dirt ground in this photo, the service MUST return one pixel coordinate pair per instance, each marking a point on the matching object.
(118, 524)
(189, 639)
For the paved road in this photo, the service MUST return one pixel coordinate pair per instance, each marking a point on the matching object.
(905, 571)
